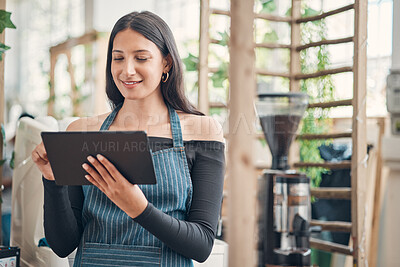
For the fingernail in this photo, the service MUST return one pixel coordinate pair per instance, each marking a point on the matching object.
(90, 158)
(84, 165)
(87, 177)
(99, 156)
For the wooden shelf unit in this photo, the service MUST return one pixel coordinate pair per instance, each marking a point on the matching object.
(89, 38)
(358, 133)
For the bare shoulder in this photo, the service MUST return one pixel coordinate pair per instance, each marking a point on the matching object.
(205, 128)
(87, 123)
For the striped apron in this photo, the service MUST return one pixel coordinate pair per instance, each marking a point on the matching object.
(112, 238)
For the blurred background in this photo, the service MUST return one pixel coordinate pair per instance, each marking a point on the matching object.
(42, 24)
(56, 64)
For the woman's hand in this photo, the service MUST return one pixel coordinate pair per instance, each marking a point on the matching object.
(39, 156)
(109, 180)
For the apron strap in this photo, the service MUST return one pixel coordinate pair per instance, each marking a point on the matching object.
(175, 127)
(110, 118)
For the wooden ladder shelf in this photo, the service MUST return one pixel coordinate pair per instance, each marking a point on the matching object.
(358, 133)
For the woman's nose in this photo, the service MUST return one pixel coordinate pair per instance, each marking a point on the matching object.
(130, 68)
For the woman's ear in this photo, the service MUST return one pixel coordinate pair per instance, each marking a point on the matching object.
(167, 63)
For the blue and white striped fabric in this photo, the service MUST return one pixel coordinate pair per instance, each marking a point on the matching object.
(112, 238)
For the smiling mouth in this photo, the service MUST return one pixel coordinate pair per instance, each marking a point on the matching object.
(131, 83)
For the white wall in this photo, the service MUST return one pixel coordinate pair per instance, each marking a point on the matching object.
(396, 36)
(182, 16)
(106, 12)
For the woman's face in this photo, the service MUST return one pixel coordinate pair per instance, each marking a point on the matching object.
(137, 65)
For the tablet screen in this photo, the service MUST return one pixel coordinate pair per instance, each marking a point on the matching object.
(129, 151)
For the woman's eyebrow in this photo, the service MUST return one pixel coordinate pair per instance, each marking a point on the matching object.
(136, 51)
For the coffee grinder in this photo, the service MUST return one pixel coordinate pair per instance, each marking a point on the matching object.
(284, 195)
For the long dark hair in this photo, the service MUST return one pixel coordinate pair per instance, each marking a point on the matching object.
(156, 30)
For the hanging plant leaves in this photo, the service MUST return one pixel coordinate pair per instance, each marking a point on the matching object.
(191, 62)
(5, 21)
(81, 99)
(268, 6)
(3, 134)
(220, 76)
(2, 162)
(224, 38)
(3, 48)
(309, 12)
(50, 99)
(12, 160)
(271, 37)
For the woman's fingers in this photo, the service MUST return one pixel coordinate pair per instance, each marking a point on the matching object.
(94, 175)
(98, 172)
(115, 174)
(94, 182)
(42, 151)
(39, 156)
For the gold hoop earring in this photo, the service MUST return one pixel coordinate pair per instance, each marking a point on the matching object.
(164, 77)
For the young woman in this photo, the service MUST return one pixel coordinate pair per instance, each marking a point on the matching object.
(113, 222)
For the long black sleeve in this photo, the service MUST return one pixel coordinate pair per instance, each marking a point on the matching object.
(192, 238)
(62, 217)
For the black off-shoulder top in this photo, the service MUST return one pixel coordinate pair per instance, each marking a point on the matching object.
(193, 237)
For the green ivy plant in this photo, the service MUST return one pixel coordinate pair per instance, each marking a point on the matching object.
(5, 22)
(321, 89)
(316, 121)
(3, 134)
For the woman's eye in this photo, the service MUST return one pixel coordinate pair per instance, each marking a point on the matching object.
(141, 59)
(118, 58)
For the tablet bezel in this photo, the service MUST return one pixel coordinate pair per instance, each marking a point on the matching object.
(68, 150)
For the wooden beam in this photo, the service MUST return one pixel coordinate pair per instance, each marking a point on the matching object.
(89, 26)
(216, 11)
(330, 246)
(376, 213)
(212, 70)
(325, 42)
(52, 94)
(331, 192)
(328, 165)
(241, 200)
(295, 32)
(271, 73)
(323, 73)
(2, 107)
(333, 226)
(261, 166)
(101, 101)
(323, 136)
(203, 101)
(273, 46)
(326, 14)
(273, 18)
(214, 41)
(76, 111)
(217, 105)
(359, 155)
(72, 42)
(332, 104)
(314, 136)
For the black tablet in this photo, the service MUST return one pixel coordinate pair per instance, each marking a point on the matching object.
(129, 151)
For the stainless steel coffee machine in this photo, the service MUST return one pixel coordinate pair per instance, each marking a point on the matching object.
(284, 195)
